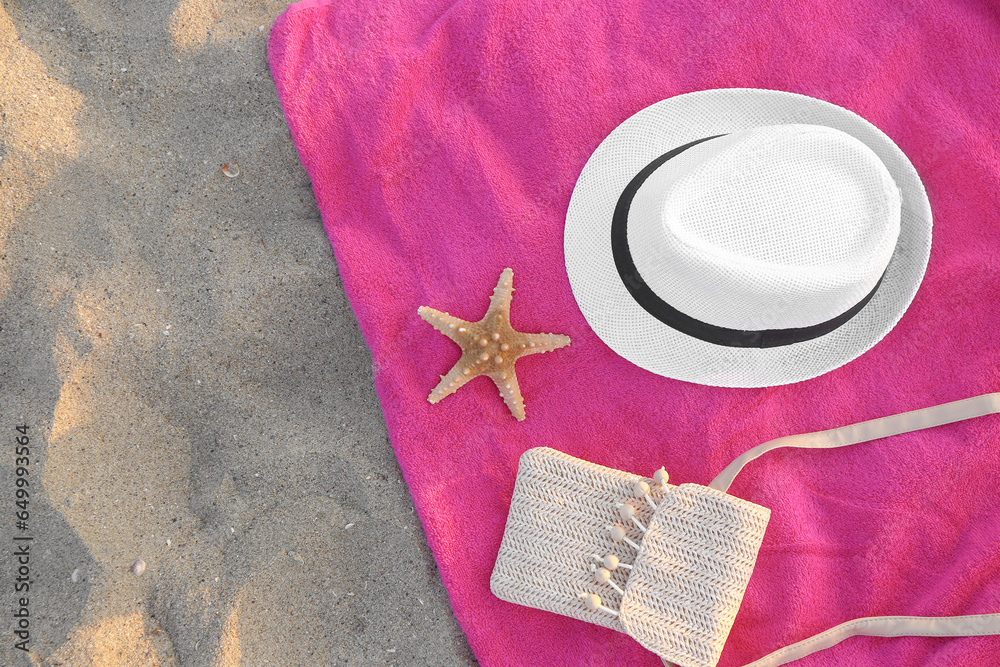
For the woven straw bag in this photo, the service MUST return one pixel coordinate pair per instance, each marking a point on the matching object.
(688, 577)
(669, 565)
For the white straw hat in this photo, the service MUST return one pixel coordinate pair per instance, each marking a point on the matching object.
(745, 238)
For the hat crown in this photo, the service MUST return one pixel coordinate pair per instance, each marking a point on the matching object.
(772, 227)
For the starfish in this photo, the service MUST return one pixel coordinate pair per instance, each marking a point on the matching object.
(490, 347)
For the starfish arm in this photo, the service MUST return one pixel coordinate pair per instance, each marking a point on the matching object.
(502, 293)
(543, 343)
(450, 326)
(450, 383)
(511, 392)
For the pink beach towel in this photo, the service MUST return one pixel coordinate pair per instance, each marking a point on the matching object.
(443, 141)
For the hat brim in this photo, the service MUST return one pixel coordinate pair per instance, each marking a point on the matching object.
(649, 343)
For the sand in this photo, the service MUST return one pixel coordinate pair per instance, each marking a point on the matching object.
(178, 344)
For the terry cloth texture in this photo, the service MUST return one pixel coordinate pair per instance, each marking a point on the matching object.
(443, 142)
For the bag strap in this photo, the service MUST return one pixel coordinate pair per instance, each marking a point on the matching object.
(886, 626)
(877, 626)
(917, 420)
